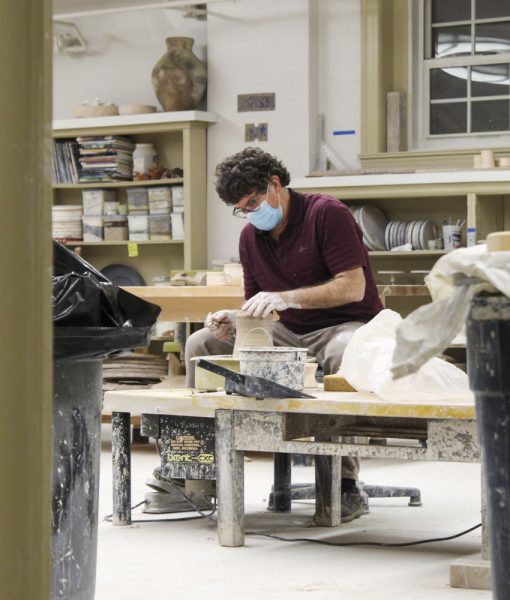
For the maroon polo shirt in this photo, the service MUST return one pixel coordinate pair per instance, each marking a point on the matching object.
(321, 239)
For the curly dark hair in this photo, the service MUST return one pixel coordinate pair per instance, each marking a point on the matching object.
(247, 172)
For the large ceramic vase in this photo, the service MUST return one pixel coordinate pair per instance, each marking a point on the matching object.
(179, 78)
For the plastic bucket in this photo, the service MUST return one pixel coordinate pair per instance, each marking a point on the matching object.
(283, 365)
(76, 447)
(488, 345)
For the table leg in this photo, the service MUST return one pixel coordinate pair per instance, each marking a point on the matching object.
(282, 482)
(121, 464)
(328, 488)
(229, 482)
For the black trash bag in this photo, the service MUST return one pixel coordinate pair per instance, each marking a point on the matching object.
(92, 316)
(82, 300)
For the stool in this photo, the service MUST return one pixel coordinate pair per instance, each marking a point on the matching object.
(283, 492)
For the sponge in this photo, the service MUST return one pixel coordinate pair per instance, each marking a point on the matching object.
(336, 383)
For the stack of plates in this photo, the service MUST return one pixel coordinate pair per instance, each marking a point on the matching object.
(416, 233)
(66, 222)
(373, 223)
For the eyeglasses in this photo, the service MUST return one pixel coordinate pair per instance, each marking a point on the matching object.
(250, 207)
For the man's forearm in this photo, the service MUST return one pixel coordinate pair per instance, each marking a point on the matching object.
(343, 289)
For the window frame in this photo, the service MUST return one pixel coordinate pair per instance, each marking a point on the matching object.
(420, 67)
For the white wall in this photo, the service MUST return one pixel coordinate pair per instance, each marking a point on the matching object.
(261, 46)
(306, 51)
(340, 77)
(122, 48)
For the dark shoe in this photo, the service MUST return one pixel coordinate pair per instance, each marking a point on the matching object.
(353, 505)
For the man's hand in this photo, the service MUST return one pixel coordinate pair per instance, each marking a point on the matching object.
(222, 324)
(263, 303)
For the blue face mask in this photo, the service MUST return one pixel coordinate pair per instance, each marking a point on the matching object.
(266, 217)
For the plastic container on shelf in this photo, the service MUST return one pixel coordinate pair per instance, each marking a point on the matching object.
(115, 228)
(138, 200)
(159, 227)
(144, 157)
(111, 208)
(177, 197)
(93, 229)
(160, 199)
(94, 201)
(138, 226)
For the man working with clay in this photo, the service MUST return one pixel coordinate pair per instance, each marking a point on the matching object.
(302, 256)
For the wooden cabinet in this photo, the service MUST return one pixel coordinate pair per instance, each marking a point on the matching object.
(180, 141)
(481, 198)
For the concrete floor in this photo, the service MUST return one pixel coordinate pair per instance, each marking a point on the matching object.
(182, 560)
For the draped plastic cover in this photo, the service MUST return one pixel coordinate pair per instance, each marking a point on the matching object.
(93, 317)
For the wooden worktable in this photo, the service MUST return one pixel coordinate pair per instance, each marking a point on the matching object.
(192, 303)
(186, 402)
(440, 429)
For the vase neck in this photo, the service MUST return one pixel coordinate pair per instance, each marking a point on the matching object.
(181, 43)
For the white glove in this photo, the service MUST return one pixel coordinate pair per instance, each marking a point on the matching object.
(263, 303)
(222, 324)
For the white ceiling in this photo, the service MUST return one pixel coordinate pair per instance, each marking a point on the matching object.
(76, 8)
(71, 6)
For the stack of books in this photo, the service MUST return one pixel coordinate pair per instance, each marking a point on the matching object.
(65, 162)
(105, 158)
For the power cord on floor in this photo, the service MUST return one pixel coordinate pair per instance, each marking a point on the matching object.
(202, 515)
(367, 543)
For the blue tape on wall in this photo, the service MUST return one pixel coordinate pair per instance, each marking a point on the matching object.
(345, 132)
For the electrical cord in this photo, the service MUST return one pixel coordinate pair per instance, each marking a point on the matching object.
(366, 543)
(202, 515)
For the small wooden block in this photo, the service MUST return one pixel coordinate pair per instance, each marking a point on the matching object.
(470, 574)
(336, 383)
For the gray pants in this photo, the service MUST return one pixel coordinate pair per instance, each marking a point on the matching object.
(327, 345)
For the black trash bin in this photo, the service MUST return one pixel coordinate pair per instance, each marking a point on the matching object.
(488, 352)
(92, 319)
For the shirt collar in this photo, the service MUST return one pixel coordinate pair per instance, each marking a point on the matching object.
(296, 207)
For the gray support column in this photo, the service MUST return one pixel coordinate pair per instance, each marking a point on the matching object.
(229, 482)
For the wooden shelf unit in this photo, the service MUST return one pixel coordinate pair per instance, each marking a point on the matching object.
(118, 184)
(480, 197)
(180, 141)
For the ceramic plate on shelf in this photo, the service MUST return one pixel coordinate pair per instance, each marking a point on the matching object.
(415, 240)
(387, 236)
(373, 223)
(427, 233)
(122, 275)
